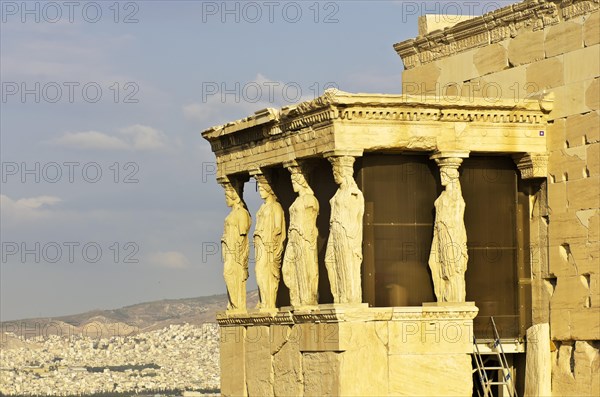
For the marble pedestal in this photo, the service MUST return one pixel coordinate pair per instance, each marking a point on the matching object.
(348, 350)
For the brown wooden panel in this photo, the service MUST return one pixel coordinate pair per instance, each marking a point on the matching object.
(489, 186)
(399, 191)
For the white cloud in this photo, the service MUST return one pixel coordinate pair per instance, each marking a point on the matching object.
(145, 138)
(26, 209)
(91, 140)
(28, 203)
(169, 259)
(37, 202)
(135, 137)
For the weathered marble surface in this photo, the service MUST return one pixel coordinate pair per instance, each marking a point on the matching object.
(235, 247)
(269, 238)
(538, 371)
(352, 350)
(448, 257)
(300, 263)
(233, 357)
(287, 361)
(259, 362)
(343, 257)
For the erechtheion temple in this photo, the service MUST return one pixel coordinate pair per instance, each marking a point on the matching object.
(395, 227)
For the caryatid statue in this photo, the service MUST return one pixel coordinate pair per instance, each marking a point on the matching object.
(269, 237)
(448, 257)
(300, 262)
(235, 246)
(343, 257)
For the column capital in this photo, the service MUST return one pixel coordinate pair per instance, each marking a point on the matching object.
(447, 154)
(233, 184)
(263, 176)
(343, 153)
(532, 165)
(449, 159)
(223, 180)
(233, 179)
(291, 163)
(303, 166)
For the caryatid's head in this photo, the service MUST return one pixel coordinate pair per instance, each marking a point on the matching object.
(449, 170)
(299, 182)
(449, 175)
(343, 169)
(264, 187)
(232, 192)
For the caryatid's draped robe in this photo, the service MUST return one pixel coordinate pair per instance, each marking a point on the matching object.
(344, 257)
(300, 262)
(269, 236)
(448, 257)
(235, 249)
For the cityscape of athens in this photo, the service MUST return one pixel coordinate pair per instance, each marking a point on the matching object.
(300, 198)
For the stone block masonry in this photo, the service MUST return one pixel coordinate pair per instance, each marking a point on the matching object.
(348, 350)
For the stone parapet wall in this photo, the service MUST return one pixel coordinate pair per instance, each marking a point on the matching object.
(333, 350)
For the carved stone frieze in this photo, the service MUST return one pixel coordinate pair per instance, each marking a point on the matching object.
(489, 28)
(332, 313)
(575, 9)
(255, 318)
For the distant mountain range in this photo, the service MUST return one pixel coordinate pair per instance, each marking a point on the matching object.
(127, 320)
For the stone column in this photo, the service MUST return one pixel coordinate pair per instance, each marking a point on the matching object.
(269, 237)
(343, 257)
(300, 262)
(235, 247)
(448, 257)
(538, 370)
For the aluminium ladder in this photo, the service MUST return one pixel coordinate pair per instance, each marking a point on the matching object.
(498, 351)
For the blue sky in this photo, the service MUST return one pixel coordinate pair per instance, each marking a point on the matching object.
(107, 194)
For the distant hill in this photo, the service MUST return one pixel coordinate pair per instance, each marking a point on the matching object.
(127, 320)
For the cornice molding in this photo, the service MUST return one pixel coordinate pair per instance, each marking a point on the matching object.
(492, 27)
(301, 122)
